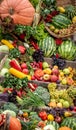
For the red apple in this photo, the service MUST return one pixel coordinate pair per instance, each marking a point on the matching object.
(54, 78)
(46, 77)
(74, 108)
(25, 71)
(55, 71)
(58, 119)
(33, 77)
(23, 65)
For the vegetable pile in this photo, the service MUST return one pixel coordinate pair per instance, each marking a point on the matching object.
(37, 85)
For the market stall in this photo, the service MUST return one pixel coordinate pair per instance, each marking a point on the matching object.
(38, 65)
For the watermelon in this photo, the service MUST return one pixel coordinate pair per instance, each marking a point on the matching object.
(60, 21)
(70, 11)
(48, 45)
(67, 50)
(69, 122)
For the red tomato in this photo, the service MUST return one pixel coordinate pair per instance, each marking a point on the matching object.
(23, 66)
(25, 71)
(43, 115)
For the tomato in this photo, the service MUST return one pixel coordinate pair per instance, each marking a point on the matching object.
(43, 115)
(38, 73)
(25, 71)
(23, 65)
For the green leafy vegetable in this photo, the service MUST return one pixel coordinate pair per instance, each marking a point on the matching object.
(34, 2)
(43, 93)
(10, 106)
(14, 53)
(38, 32)
(14, 82)
(33, 100)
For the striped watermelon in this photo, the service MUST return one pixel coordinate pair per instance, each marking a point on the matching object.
(61, 21)
(67, 50)
(48, 45)
(69, 122)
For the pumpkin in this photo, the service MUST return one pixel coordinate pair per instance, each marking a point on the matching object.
(14, 124)
(21, 11)
(64, 128)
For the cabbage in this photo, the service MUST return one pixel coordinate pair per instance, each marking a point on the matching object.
(4, 71)
(11, 113)
(4, 48)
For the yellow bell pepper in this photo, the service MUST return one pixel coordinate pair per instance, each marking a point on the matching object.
(7, 43)
(19, 74)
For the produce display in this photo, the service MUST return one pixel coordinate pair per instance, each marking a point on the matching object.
(37, 70)
(60, 21)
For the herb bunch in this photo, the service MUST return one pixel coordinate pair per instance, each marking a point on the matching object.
(14, 82)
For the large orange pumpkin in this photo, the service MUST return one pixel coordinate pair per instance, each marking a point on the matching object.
(64, 128)
(21, 11)
(14, 124)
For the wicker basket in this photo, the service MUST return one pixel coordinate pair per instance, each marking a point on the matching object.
(63, 3)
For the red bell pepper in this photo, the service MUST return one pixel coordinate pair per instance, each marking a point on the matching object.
(14, 63)
(35, 45)
(43, 115)
(40, 65)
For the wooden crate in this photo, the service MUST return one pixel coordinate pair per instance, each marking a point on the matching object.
(68, 63)
(59, 86)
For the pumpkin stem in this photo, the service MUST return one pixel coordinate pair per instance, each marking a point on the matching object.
(11, 11)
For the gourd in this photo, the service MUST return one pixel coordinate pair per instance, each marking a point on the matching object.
(21, 11)
(14, 124)
(64, 128)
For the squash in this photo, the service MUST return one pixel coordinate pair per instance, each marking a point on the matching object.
(14, 124)
(21, 11)
(65, 128)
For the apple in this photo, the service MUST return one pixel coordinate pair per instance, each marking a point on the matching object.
(46, 77)
(23, 65)
(33, 77)
(45, 65)
(47, 71)
(61, 100)
(66, 104)
(25, 71)
(54, 78)
(59, 104)
(66, 71)
(74, 108)
(64, 81)
(55, 71)
(58, 119)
